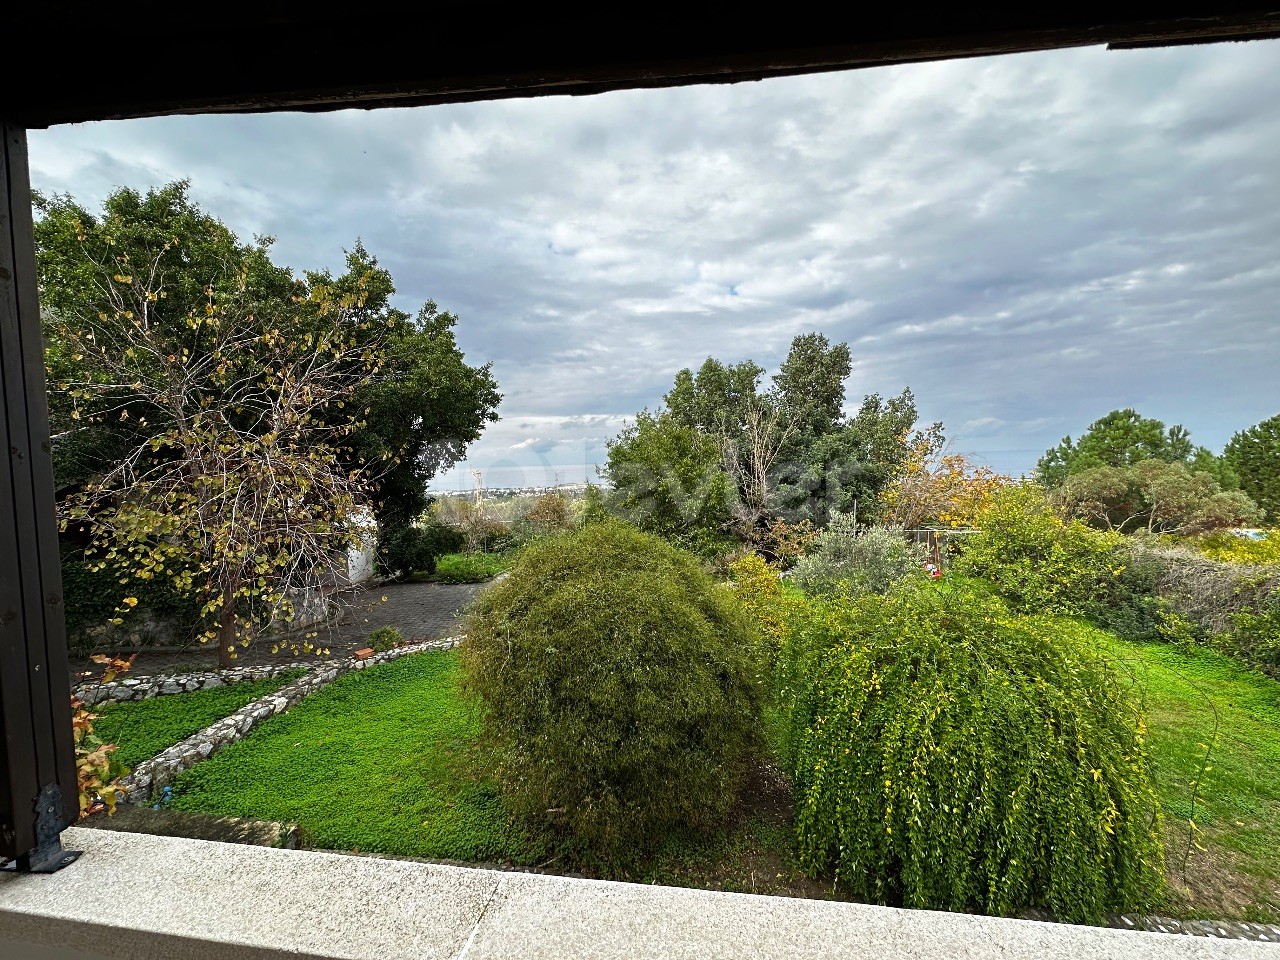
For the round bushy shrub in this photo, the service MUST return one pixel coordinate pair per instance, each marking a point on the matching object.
(948, 754)
(617, 683)
(1039, 562)
(870, 559)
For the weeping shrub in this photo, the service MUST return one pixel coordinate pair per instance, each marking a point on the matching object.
(950, 755)
(618, 685)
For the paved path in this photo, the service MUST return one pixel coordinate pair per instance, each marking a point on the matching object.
(421, 611)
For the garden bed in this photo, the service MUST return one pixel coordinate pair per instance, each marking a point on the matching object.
(466, 568)
(383, 761)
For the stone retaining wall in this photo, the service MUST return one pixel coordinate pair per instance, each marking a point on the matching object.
(144, 688)
(150, 777)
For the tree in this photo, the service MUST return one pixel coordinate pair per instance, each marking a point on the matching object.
(810, 385)
(718, 399)
(426, 405)
(404, 401)
(1156, 497)
(1120, 439)
(191, 257)
(1254, 455)
(418, 414)
(788, 453)
(668, 479)
(847, 468)
(939, 489)
(235, 490)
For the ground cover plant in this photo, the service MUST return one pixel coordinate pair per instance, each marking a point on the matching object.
(142, 728)
(619, 687)
(951, 755)
(470, 567)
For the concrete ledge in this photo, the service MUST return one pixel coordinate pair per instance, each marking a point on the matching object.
(168, 898)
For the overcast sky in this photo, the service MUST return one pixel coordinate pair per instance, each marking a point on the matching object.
(1027, 242)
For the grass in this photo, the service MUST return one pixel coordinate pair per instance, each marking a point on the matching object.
(1214, 730)
(379, 761)
(142, 728)
(470, 567)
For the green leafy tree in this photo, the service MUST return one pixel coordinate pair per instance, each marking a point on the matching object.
(849, 467)
(1155, 497)
(1254, 455)
(810, 385)
(785, 453)
(426, 406)
(668, 479)
(1121, 439)
(717, 400)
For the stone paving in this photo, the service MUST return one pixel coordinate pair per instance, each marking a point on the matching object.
(421, 611)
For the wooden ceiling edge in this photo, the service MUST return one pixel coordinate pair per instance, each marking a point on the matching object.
(585, 81)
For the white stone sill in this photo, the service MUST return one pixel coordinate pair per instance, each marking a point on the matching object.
(174, 899)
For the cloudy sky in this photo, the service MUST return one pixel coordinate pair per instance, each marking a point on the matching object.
(1027, 242)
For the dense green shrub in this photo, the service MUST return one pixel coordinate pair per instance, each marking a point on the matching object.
(406, 550)
(1037, 561)
(617, 681)
(1255, 637)
(1127, 604)
(444, 538)
(949, 754)
(871, 559)
(385, 638)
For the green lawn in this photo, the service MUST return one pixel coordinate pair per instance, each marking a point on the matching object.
(1214, 731)
(142, 728)
(377, 761)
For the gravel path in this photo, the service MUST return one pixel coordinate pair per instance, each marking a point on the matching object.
(421, 611)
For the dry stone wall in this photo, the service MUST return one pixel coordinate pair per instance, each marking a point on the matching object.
(144, 688)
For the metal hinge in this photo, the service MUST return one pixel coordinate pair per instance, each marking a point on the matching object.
(48, 855)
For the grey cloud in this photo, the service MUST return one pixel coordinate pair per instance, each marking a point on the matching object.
(1026, 241)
